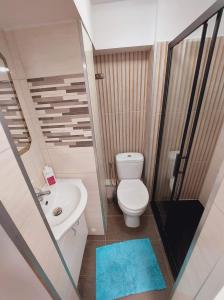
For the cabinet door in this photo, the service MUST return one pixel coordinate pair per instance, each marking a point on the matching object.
(72, 246)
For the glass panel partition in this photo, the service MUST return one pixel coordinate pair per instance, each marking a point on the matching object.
(192, 117)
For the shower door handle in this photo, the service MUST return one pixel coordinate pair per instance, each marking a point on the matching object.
(177, 165)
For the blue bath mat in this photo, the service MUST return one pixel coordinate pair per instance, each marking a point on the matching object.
(127, 268)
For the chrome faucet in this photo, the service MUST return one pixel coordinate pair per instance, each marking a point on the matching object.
(40, 194)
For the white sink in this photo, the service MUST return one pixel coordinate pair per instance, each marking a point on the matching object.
(65, 205)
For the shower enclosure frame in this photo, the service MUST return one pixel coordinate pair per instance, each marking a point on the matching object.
(215, 10)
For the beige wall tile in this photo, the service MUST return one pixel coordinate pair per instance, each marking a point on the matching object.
(194, 275)
(11, 56)
(34, 164)
(94, 223)
(93, 202)
(13, 59)
(47, 50)
(181, 296)
(47, 157)
(12, 182)
(4, 144)
(89, 179)
(213, 284)
(70, 160)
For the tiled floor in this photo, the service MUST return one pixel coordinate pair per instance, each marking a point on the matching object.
(117, 231)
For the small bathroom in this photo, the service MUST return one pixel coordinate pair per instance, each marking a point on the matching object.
(111, 149)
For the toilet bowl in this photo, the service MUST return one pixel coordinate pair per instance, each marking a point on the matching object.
(132, 194)
(133, 199)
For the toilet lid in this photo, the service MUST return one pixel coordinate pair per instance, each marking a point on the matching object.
(133, 194)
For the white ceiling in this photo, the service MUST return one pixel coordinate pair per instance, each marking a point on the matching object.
(26, 13)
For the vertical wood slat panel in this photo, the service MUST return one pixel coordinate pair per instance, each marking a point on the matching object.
(122, 98)
(209, 127)
(178, 99)
(210, 121)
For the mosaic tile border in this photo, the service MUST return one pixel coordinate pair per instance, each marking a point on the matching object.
(62, 109)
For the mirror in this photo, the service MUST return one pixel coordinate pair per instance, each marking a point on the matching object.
(11, 109)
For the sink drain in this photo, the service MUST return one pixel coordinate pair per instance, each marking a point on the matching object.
(57, 211)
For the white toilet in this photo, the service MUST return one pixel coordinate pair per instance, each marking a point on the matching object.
(132, 194)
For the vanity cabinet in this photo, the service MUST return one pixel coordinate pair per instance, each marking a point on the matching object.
(72, 246)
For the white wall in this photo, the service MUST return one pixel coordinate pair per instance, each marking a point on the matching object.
(175, 15)
(124, 23)
(129, 23)
(17, 280)
(84, 8)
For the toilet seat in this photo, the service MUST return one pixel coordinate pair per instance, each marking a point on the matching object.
(132, 194)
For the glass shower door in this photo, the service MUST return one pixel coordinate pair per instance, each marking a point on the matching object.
(181, 164)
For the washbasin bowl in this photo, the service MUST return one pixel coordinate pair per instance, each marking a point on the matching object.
(65, 204)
